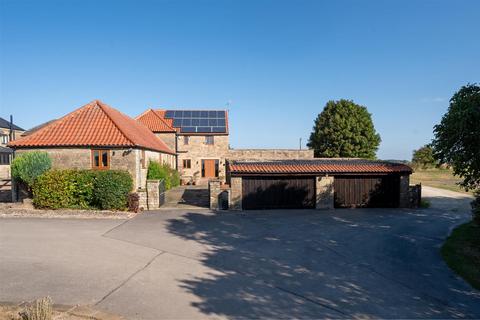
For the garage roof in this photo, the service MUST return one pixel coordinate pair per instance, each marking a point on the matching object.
(323, 165)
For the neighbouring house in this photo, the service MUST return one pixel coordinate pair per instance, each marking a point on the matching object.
(201, 141)
(8, 132)
(321, 183)
(97, 136)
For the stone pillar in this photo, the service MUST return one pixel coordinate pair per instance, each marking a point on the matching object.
(153, 194)
(404, 191)
(214, 191)
(236, 193)
(324, 192)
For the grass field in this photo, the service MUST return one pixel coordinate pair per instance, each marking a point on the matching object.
(461, 251)
(438, 178)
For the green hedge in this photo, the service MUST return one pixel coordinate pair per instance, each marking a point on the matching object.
(157, 171)
(107, 190)
(27, 167)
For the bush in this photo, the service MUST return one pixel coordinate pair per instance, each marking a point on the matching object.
(40, 309)
(157, 171)
(27, 167)
(111, 189)
(476, 208)
(82, 189)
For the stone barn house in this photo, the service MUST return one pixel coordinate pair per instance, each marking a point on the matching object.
(200, 139)
(97, 136)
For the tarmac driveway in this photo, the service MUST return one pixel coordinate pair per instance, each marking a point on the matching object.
(277, 264)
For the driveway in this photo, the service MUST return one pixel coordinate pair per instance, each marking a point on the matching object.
(360, 263)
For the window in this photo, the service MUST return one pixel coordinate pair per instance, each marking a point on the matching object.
(101, 159)
(209, 140)
(187, 164)
(4, 138)
(186, 140)
(4, 158)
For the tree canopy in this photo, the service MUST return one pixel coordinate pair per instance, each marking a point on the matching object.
(457, 137)
(344, 129)
(423, 157)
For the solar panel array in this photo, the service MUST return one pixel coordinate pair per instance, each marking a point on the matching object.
(195, 121)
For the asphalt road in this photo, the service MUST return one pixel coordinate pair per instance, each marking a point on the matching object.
(365, 263)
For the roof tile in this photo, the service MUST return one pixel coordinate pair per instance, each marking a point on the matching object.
(325, 165)
(93, 125)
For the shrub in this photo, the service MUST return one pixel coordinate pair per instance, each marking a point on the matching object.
(64, 189)
(157, 171)
(40, 309)
(476, 208)
(27, 167)
(82, 189)
(111, 189)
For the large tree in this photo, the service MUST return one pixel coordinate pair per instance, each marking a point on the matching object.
(423, 157)
(344, 129)
(457, 137)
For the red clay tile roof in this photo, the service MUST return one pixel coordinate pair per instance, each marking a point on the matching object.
(155, 121)
(150, 120)
(313, 166)
(93, 125)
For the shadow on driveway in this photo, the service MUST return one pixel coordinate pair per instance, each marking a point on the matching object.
(347, 263)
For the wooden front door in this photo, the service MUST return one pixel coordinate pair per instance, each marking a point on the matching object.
(208, 168)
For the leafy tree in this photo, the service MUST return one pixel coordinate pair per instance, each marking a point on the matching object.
(27, 167)
(424, 157)
(457, 137)
(344, 129)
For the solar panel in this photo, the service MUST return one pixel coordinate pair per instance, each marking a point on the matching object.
(197, 121)
(188, 129)
(219, 129)
(204, 129)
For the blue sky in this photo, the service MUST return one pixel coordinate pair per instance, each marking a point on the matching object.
(276, 63)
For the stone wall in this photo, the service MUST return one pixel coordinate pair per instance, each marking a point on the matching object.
(81, 158)
(168, 138)
(236, 193)
(196, 150)
(324, 192)
(269, 154)
(404, 191)
(4, 171)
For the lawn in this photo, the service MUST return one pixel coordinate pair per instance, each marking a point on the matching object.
(438, 178)
(461, 251)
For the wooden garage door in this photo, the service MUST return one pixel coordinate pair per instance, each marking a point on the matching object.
(278, 193)
(367, 191)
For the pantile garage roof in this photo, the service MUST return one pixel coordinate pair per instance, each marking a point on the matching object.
(155, 121)
(93, 125)
(314, 166)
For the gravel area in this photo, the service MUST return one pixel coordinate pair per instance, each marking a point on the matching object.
(26, 210)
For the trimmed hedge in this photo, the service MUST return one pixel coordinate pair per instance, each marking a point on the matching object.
(84, 189)
(111, 189)
(157, 171)
(27, 167)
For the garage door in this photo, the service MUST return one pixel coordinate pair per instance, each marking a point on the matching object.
(278, 193)
(367, 191)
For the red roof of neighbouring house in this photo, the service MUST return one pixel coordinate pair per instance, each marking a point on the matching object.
(155, 121)
(326, 165)
(93, 125)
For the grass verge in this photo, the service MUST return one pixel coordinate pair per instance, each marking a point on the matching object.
(437, 178)
(461, 251)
